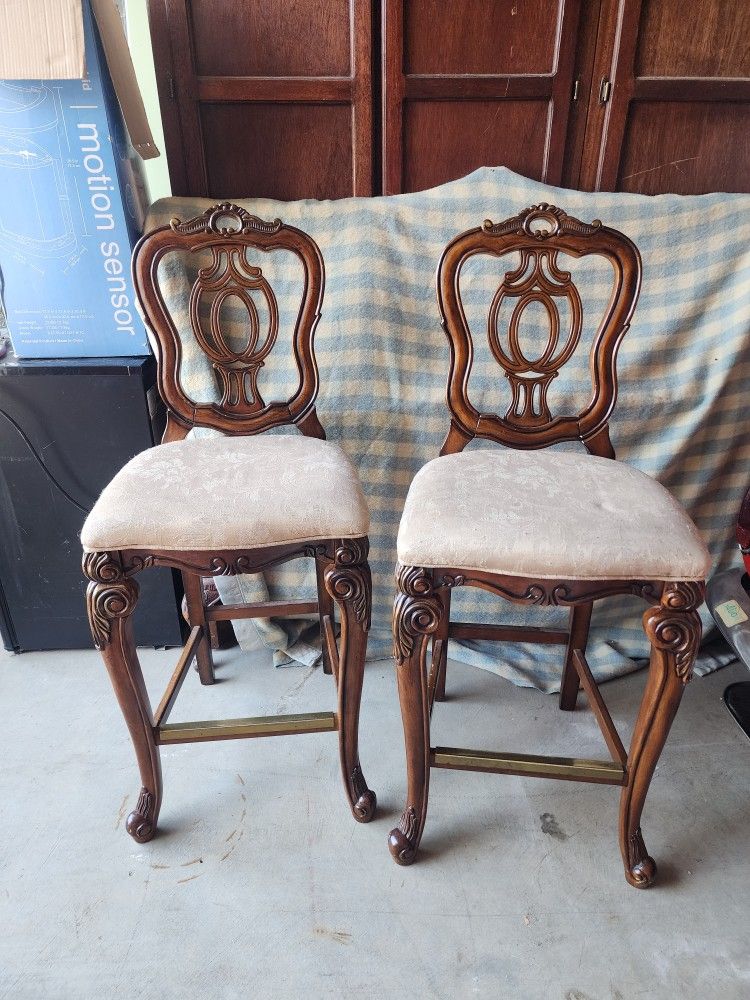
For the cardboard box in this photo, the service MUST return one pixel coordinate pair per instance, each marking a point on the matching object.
(71, 202)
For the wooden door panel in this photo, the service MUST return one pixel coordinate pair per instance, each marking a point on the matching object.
(460, 78)
(259, 38)
(306, 150)
(493, 37)
(677, 117)
(436, 149)
(688, 148)
(266, 98)
(699, 39)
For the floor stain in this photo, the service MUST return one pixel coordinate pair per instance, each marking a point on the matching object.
(227, 853)
(342, 937)
(551, 827)
(121, 813)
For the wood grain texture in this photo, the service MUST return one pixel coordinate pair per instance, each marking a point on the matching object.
(708, 38)
(290, 82)
(455, 77)
(448, 139)
(284, 151)
(686, 148)
(677, 116)
(479, 37)
(262, 38)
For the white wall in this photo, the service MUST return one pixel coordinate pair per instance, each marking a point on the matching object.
(156, 171)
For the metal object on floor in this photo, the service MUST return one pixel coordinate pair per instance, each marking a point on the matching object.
(728, 599)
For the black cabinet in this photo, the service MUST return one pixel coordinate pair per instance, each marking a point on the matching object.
(66, 427)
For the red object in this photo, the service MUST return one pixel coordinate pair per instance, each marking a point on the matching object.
(743, 530)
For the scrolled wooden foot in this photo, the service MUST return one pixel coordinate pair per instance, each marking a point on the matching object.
(641, 870)
(401, 840)
(141, 823)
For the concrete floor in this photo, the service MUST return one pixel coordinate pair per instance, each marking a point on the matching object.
(261, 884)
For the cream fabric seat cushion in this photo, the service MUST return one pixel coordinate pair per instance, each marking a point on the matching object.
(549, 515)
(229, 493)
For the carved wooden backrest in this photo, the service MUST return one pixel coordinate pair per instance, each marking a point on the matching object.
(227, 232)
(538, 235)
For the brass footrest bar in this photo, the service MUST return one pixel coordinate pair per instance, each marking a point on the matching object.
(568, 768)
(268, 609)
(507, 633)
(241, 729)
(180, 673)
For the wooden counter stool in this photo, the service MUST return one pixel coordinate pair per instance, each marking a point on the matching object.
(542, 527)
(234, 504)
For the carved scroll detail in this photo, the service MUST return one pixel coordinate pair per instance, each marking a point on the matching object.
(140, 823)
(209, 222)
(408, 823)
(416, 610)
(364, 799)
(226, 564)
(550, 592)
(641, 865)
(675, 626)
(348, 579)
(560, 221)
(109, 595)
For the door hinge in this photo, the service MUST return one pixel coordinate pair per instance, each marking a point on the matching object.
(605, 89)
(576, 86)
(170, 87)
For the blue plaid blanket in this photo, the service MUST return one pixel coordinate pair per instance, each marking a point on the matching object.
(684, 368)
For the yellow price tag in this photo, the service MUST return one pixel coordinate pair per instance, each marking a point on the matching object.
(731, 613)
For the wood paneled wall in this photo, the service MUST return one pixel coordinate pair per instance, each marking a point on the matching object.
(329, 98)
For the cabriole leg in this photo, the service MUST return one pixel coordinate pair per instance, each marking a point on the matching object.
(674, 630)
(417, 615)
(347, 580)
(110, 600)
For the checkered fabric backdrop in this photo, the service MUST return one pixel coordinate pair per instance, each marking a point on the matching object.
(383, 359)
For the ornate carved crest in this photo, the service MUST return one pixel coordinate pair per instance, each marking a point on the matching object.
(523, 224)
(225, 219)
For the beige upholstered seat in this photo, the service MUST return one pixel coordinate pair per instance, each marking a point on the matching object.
(229, 493)
(548, 515)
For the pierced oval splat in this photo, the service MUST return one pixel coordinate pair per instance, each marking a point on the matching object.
(537, 280)
(231, 276)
